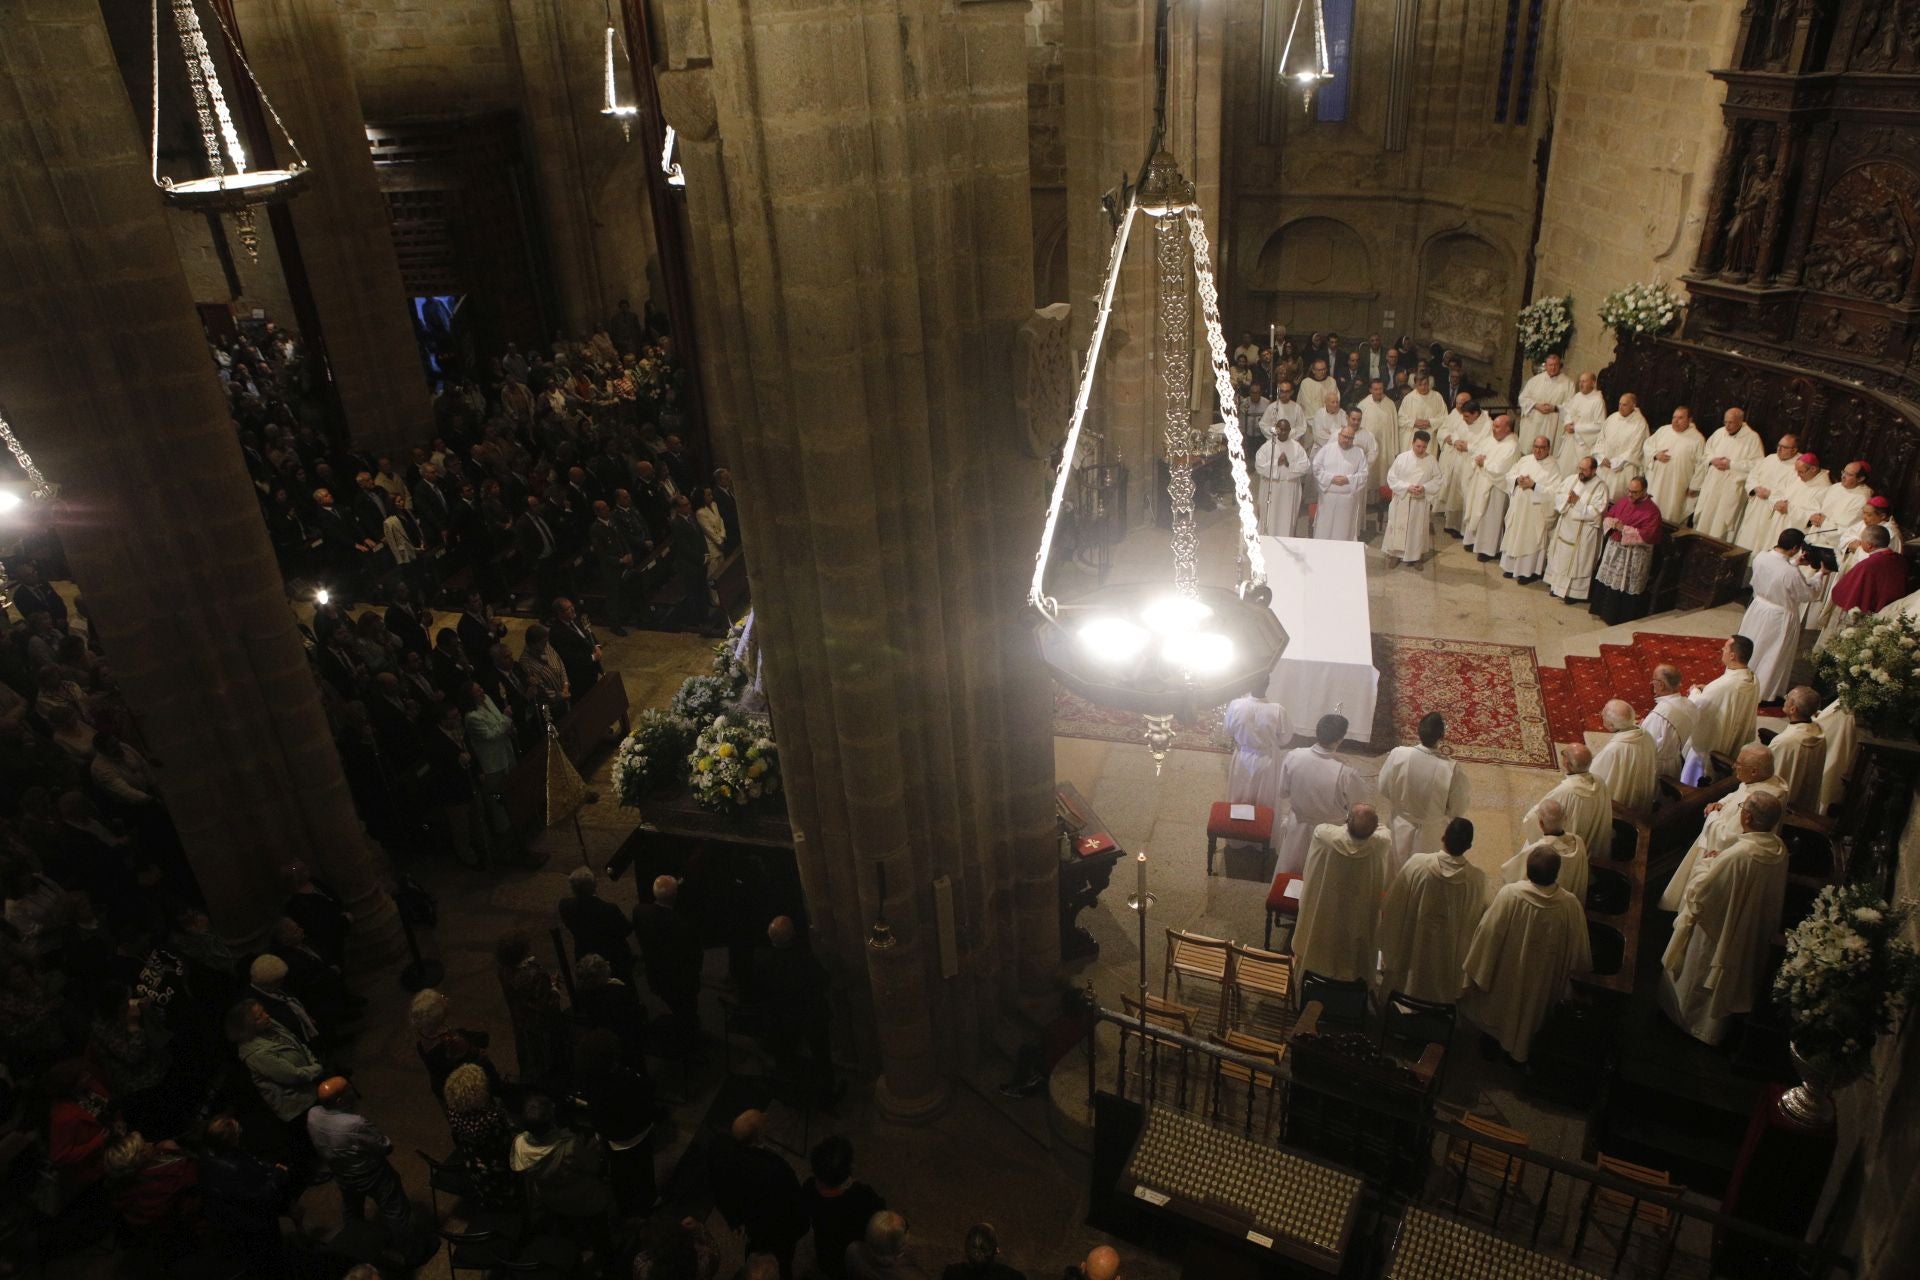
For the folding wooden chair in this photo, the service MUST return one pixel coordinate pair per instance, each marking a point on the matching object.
(1223, 1071)
(1162, 1015)
(1259, 993)
(1193, 957)
(1651, 1210)
(1469, 1157)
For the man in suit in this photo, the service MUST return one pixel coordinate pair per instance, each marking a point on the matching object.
(408, 622)
(673, 953)
(538, 546)
(430, 506)
(579, 649)
(34, 596)
(679, 466)
(650, 496)
(723, 497)
(687, 558)
(598, 927)
(479, 629)
(613, 560)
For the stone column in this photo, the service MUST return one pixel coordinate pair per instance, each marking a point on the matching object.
(858, 197)
(105, 376)
(299, 54)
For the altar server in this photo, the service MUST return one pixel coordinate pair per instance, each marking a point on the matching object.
(1418, 485)
(1782, 590)
(1485, 517)
(1460, 438)
(1573, 553)
(1627, 762)
(1529, 945)
(1669, 460)
(1671, 722)
(1581, 423)
(1424, 788)
(1568, 846)
(1531, 485)
(1800, 750)
(1714, 963)
(1768, 486)
(1340, 474)
(1583, 800)
(1281, 465)
(1346, 873)
(1421, 409)
(1543, 401)
(1318, 787)
(1726, 707)
(1622, 438)
(1261, 734)
(1433, 907)
(1755, 770)
(1722, 480)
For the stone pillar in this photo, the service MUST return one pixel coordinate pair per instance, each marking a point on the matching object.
(857, 193)
(299, 54)
(105, 376)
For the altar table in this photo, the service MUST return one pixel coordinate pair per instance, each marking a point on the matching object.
(1320, 596)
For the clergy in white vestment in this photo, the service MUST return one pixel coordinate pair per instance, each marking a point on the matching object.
(1281, 465)
(1379, 419)
(1531, 485)
(1318, 385)
(1460, 438)
(1723, 934)
(1583, 799)
(1671, 722)
(1284, 409)
(1340, 474)
(1543, 401)
(1417, 484)
(1485, 517)
(1627, 761)
(1800, 750)
(1575, 869)
(1524, 955)
(1853, 545)
(1623, 437)
(1421, 409)
(1424, 789)
(1669, 461)
(1842, 734)
(1346, 873)
(1433, 906)
(1722, 480)
(1318, 787)
(1581, 421)
(1726, 707)
(1261, 734)
(1574, 550)
(1325, 424)
(1782, 589)
(1253, 407)
(1753, 767)
(1768, 486)
(1840, 505)
(1806, 497)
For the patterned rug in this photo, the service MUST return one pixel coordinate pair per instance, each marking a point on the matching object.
(1575, 694)
(1489, 693)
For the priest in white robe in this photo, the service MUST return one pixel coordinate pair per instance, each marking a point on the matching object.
(1345, 875)
(1627, 761)
(1532, 486)
(1623, 438)
(1583, 799)
(1768, 486)
(1671, 722)
(1318, 385)
(1574, 550)
(1726, 707)
(1318, 787)
(1421, 409)
(1379, 418)
(1841, 731)
(1723, 935)
(1340, 474)
(1424, 790)
(1722, 479)
(1524, 956)
(1754, 769)
(1575, 869)
(1418, 485)
(1325, 423)
(1543, 401)
(1284, 408)
(1485, 517)
(1281, 466)
(1581, 423)
(1800, 750)
(1840, 505)
(1805, 499)
(1261, 734)
(1460, 439)
(1670, 460)
(1433, 907)
(1782, 589)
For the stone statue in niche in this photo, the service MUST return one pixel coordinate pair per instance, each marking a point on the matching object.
(1864, 242)
(1889, 38)
(1749, 214)
(1780, 27)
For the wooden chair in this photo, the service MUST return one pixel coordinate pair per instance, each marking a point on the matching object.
(1193, 957)
(1223, 1070)
(1651, 1210)
(1259, 992)
(1160, 1014)
(1469, 1157)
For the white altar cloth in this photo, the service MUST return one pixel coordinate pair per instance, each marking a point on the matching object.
(1320, 596)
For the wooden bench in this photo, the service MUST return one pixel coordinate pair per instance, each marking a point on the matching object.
(583, 731)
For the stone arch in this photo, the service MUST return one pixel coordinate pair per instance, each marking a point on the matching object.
(1464, 282)
(1317, 273)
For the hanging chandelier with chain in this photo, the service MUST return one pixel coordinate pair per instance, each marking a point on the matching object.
(614, 108)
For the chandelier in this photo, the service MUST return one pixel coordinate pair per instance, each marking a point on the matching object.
(624, 114)
(39, 490)
(1311, 68)
(1169, 651)
(229, 186)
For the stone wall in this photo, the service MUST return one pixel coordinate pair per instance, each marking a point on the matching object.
(262, 285)
(1636, 131)
(432, 57)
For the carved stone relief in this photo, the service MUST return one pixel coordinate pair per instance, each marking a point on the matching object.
(1888, 37)
(1863, 243)
(1464, 282)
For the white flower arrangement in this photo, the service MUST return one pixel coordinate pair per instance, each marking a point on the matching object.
(1873, 666)
(701, 698)
(1545, 325)
(735, 763)
(653, 756)
(1643, 308)
(1848, 977)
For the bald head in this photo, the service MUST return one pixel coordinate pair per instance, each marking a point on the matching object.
(1801, 702)
(1578, 758)
(1103, 1263)
(1362, 821)
(1617, 715)
(665, 889)
(748, 1126)
(1760, 812)
(1667, 679)
(1754, 763)
(1552, 816)
(781, 932)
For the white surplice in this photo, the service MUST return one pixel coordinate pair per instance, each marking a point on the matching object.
(1530, 516)
(1672, 723)
(1381, 420)
(1804, 500)
(1485, 516)
(1781, 592)
(1723, 494)
(1618, 455)
(1800, 756)
(1768, 485)
(1575, 869)
(1839, 507)
(1714, 962)
(1318, 787)
(1341, 506)
(1433, 907)
(1277, 412)
(1581, 422)
(1424, 790)
(1280, 465)
(1588, 808)
(1628, 763)
(1529, 945)
(1457, 464)
(1409, 533)
(1323, 428)
(1543, 402)
(1416, 408)
(1340, 903)
(1668, 482)
(1719, 828)
(1313, 394)
(1261, 733)
(1842, 733)
(1726, 721)
(1574, 550)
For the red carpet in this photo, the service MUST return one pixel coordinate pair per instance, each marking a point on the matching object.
(1489, 693)
(1574, 694)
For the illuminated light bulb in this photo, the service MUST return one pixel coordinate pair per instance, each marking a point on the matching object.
(1171, 614)
(1112, 640)
(9, 500)
(1198, 653)
(322, 596)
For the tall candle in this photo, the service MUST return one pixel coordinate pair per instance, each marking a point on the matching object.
(1141, 862)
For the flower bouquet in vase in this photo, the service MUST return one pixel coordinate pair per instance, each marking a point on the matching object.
(653, 757)
(735, 763)
(1545, 325)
